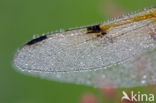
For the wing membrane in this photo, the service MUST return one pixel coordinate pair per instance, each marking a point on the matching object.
(84, 58)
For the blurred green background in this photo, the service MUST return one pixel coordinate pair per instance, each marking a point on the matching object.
(21, 19)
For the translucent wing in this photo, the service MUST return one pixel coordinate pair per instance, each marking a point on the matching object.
(82, 57)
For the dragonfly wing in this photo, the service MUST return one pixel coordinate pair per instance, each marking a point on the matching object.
(73, 56)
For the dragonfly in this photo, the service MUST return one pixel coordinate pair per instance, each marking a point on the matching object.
(120, 52)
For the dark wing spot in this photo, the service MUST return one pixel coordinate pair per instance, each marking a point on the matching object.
(94, 29)
(36, 40)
